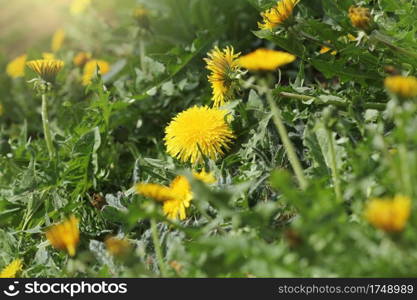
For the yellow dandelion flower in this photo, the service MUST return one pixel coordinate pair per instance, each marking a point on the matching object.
(390, 215)
(47, 69)
(360, 17)
(11, 270)
(223, 65)
(81, 58)
(176, 198)
(205, 176)
(196, 132)
(77, 7)
(48, 55)
(141, 14)
(325, 49)
(16, 68)
(116, 246)
(57, 40)
(403, 86)
(278, 14)
(266, 60)
(65, 235)
(90, 70)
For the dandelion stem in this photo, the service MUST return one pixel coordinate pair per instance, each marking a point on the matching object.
(289, 147)
(158, 250)
(342, 104)
(333, 165)
(142, 54)
(46, 128)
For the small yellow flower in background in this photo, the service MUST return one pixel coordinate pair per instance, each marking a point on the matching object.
(47, 69)
(57, 40)
(48, 55)
(390, 215)
(325, 49)
(360, 17)
(81, 58)
(141, 15)
(117, 246)
(278, 14)
(79, 6)
(16, 68)
(265, 60)
(11, 270)
(90, 70)
(177, 197)
(222, 64)
(351, 37)
(65, 235)
(403, 86)
(198, 131)
(205, 176)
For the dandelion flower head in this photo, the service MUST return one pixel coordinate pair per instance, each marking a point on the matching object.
(11, 270)
(223, 65)
(403, 86)
(65, 235)
(265, 60)
(198, 132)
(278, 14)
(16, 68)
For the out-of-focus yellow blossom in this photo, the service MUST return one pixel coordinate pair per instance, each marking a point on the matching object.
(47, 69)
(325, 49)
(48, 55)
(117, 246)
(278, 14)
(90, 70)
(351, 37)
(65, 235)
(265, 60)
(141, 15)
(81, 58)
(11, 270)
(57, 40)
(16, 68)
(360, 17)
(223, 65)
(197, 132)
(403, 86)
(79, 6)
(388, 214)
(177, 197)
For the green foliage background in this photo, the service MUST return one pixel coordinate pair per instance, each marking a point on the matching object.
(255, 221)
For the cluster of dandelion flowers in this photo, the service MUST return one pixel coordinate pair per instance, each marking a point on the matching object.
(11, 270)
(403, 86)
(265, 60)
(16, 68)
(47, 69)
(197, 132)
(390, 215)
(176, 197)
(360, 17)
(278, 14)
(223, 66)
(65, 235)
(92, 67)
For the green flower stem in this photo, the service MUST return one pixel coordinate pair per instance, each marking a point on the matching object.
(386, 40)
(142, 54)
(289, 147)
(158, 250)
(333, 165)
(367, 105)
(46, 128)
